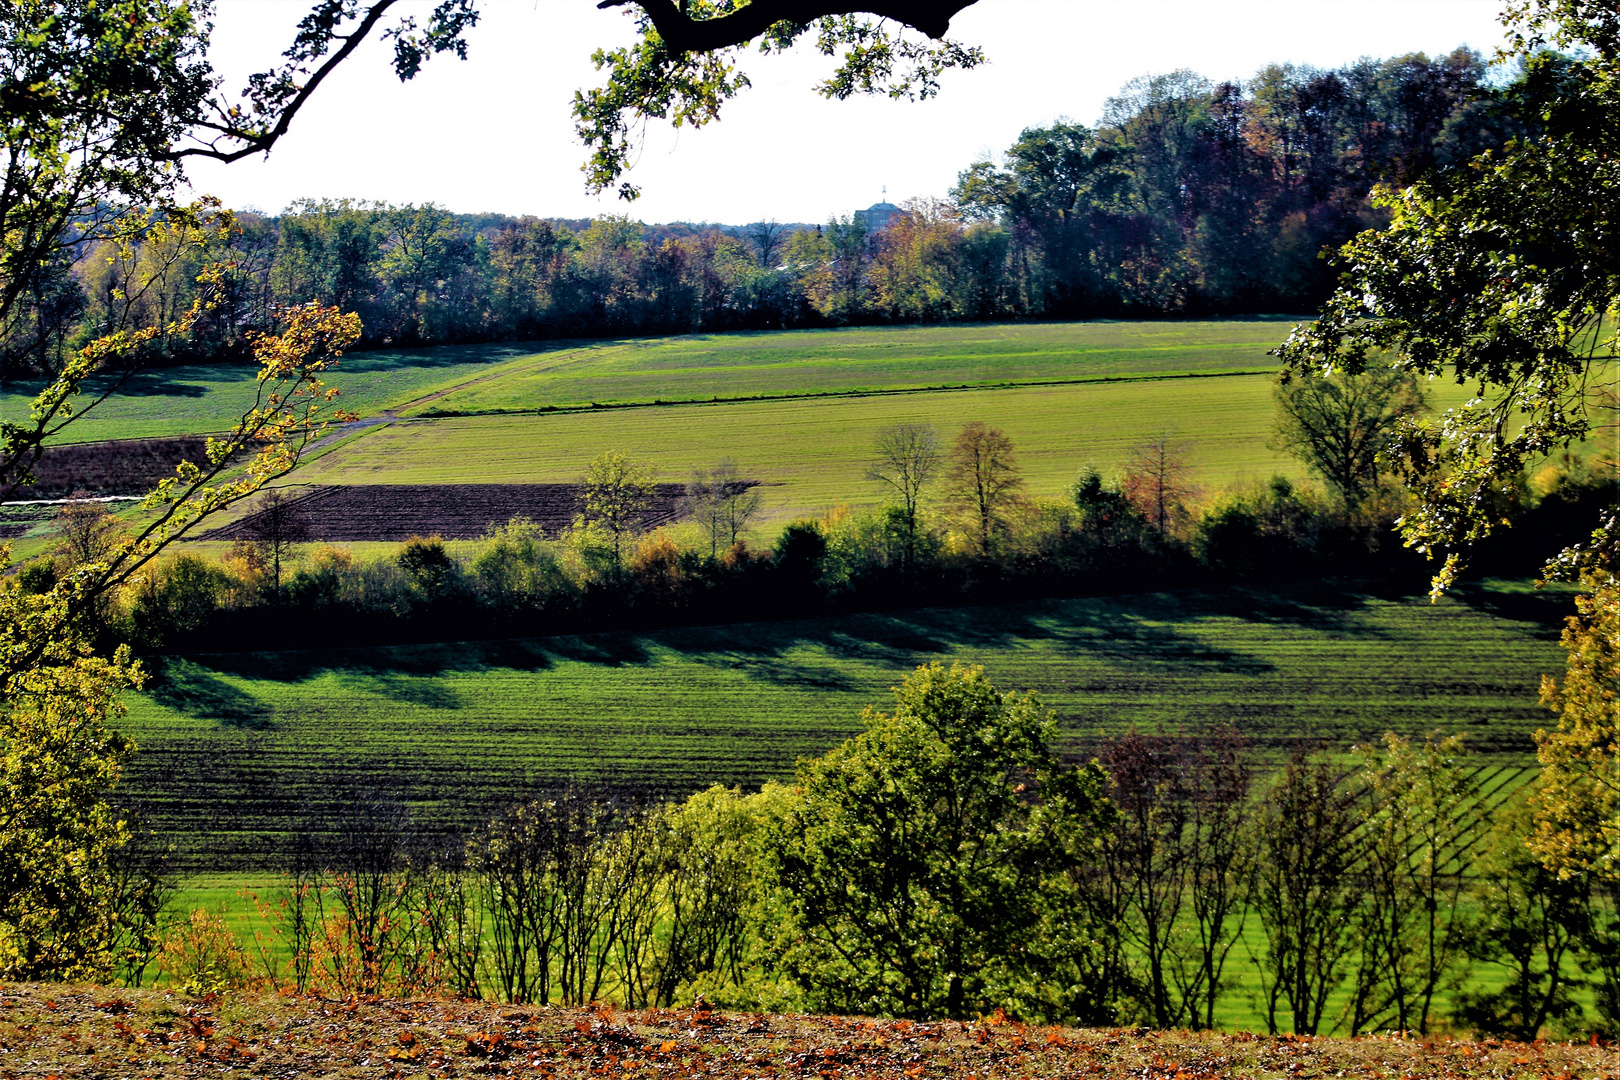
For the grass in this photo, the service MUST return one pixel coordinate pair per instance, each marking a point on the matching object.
(208, 397)
(198, 398)
(770, 364)
(814, 453)
(235, 748)
(93, 1031)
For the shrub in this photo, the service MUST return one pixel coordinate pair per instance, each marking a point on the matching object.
(320, 581)
(176, 600)
(200, 955)
(800, 552)
(428, 566)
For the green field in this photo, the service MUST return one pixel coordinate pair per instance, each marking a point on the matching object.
(208, 398)
(775, 364)
(814, 452)
(233, 745)
(201, 398)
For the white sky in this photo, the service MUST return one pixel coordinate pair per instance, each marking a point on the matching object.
(495, 134)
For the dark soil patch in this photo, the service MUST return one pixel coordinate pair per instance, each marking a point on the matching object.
(394, 512)
(124, 467)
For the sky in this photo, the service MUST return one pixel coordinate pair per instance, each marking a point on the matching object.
(494, 133)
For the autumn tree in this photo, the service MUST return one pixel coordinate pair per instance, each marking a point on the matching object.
(60, 898)
(618, 492)
(1155, 479)
(1577, 828)
(1340, 425)
(983, 485)
(906, 457)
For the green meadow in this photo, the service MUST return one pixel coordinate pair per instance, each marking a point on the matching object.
(776, 364)
(560, 374)
(234, 747)
(812, 453)
(202, 398)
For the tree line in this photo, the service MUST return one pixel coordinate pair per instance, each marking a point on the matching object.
(1188, 198)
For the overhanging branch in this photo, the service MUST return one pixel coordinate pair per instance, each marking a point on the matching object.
(684, 34)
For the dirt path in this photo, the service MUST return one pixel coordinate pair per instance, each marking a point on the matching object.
(388, 416)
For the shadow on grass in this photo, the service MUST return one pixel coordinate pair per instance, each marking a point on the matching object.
(443, 356)
(193, 689)
(1545, 610)
(1135, 633)
(157, 382)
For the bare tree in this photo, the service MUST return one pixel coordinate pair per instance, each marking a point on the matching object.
(1304, 892)
(1148, 783)
(983, 483)
(907, 457)
(1337, 426)
(1155, 479)
(1221, 866)
(85, 530)
(766, 236)
(722, 503)
(275, 528)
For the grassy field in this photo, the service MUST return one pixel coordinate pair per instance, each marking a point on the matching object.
(233, 747)
(207, 398)
(210, 397)
(813, 453)
(772, 364)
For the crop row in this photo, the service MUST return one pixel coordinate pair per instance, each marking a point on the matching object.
(231, 744)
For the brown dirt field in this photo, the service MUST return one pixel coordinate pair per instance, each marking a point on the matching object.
(393, 512)
(127, 467)
(86, 1031)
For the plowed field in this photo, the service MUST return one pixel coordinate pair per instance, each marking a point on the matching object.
(393, 512)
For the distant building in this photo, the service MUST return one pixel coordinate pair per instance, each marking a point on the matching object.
(878, 215)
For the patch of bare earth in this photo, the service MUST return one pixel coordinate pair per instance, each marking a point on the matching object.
(122, 467)
(81, 1031)
(393, 512)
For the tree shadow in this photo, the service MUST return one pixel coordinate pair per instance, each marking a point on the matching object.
(190, 688)
(1138, 636)
(1544, 610)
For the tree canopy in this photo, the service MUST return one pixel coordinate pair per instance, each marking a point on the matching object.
(1503, 276)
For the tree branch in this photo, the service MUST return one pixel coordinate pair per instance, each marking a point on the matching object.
(683, 34)
(256, 141)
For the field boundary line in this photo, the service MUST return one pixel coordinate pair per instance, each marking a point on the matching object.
(811, 395)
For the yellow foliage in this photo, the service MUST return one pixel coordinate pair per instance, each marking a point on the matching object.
(201, 955)
(1578, 824)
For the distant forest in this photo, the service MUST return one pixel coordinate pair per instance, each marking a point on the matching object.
(1190, 198)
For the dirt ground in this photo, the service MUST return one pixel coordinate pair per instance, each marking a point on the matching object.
(93, 1032)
